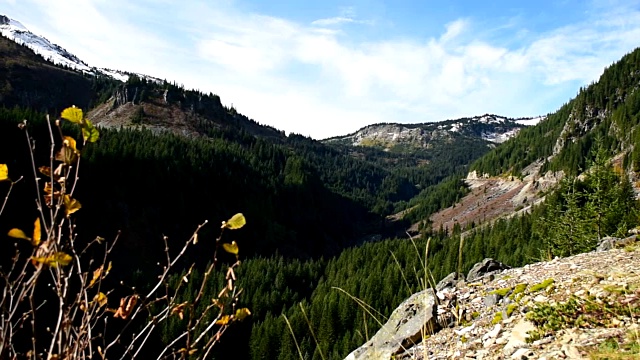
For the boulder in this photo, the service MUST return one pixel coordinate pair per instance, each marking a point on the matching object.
(407, 324)
(484, 268)
(608, 243)
(449, 281)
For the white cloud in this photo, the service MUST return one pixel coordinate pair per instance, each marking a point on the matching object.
(317, 80)
(454, 29)
(332, 21)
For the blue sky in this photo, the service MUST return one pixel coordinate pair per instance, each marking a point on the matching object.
(325, 68)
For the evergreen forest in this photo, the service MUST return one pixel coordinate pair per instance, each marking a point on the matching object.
(318, 240)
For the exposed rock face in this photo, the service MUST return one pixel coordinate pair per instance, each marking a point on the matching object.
(491, 128)
(502, 329)
(495, 197)
(449, 281)
(406, 326)
(608, 243)
(485, 267)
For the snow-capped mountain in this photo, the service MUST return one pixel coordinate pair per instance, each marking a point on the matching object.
(14, 30)
(493, 128)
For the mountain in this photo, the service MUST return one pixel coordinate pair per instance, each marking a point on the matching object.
(27, 80)
(169, 157)
(491, 128)
(14, 30)
(513, 178)
(392, 178)
(574, 308)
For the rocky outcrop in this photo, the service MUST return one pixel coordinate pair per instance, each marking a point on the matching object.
(485, 267)
(406, 326)
(560, 309)
(449, 281)
(491, 128)
(608, 243)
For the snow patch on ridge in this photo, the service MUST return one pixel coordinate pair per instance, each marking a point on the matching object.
(15, 31)
(531, 121)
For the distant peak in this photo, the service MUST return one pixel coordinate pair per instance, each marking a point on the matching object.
(7, 21)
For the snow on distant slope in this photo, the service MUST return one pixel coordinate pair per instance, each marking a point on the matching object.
(490, 119)
(499, 138)
(116, 74)
(15, 31)
(531, 121)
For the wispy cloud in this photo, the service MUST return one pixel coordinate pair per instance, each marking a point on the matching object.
(333, 21)
(347, 16)
(317, 79)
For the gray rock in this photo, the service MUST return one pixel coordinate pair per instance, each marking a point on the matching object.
(491, 300)
(449, 281)
(406, 325)
(608, 243)
(522, 354)
(518, 338)
(484, 268)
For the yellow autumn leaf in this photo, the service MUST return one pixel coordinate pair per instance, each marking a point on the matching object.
(236, 222)
(89, 132)
(99, 274)
(191, 352)
(4, 172)
(241, 314)
(45, 170)
(100, 299)
(50, 195)
(70, 142)
(71, 205)
(69, 152)
(127, 304)
(18, 234)
(58, 258)
(37, 233)
(179, 310)
(224, 320)
(72, 114)
(231, 248)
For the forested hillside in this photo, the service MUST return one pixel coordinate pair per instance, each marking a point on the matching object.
(607, 109)
(311, 207)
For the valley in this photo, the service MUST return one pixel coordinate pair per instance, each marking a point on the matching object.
(370, 217)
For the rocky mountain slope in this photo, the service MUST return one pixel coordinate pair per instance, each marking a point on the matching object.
(491, 128)
(37, 74)
(161, 106)
(566, 308)
(490, 198)
(511, 178)
(14, 30)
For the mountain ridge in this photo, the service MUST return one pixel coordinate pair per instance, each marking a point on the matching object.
(16, 31)
(488, 127)
(283, 184)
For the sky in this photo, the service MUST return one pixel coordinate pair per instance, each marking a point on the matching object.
(327, 68)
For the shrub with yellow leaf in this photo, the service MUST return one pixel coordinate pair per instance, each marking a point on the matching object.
(58, 270)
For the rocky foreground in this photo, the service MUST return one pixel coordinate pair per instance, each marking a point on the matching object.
(581, 307)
